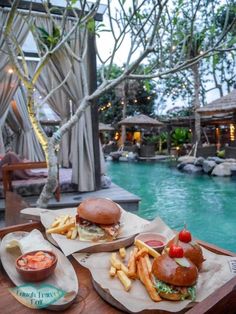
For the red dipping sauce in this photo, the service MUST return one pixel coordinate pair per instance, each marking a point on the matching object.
(154, 243)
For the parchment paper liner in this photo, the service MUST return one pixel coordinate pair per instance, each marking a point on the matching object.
(131, 224)
(215, 272)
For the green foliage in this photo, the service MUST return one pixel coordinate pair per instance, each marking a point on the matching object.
(50, 40)
(221, 154)
(110, 105)
(180, 136)
(150, 140)
(191, 34)
(91, 25)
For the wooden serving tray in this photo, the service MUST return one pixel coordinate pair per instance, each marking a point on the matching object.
(64, 276)
(221, 301)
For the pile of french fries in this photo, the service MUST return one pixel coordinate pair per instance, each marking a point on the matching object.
(139, 266)
(65, 225)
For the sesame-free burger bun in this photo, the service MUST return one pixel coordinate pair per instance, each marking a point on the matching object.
(99, 211)
(192, 251)
(166, 269)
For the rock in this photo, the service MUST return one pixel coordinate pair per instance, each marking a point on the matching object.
(199, 161)
(187, 159)
(208, 166)
(190, 168)
(105, 182)
(233, 171)
(181, 165)
(217, 160)
(224, 169)
(231, 160)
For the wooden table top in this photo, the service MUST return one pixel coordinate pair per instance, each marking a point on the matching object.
(88, 301)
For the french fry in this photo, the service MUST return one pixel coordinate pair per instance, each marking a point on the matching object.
(151, 251)
(122, 252)
(132, 264)
(56, 222)
(68, 234)
(61, 229)
(124, 268)
(147, 281)
(74, 233)
(126, 282)
(141, 253)
(148, 262)
(112, 271)
(63, 220)
(139, 272)
(114, 261)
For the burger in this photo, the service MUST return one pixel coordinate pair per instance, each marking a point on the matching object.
(174, 278)
(98, 220)
(191, 249)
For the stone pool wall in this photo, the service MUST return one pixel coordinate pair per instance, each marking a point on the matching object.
(214, 166)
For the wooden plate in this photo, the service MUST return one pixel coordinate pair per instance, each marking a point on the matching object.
(64, 276)
(106, 296)
(100, 247)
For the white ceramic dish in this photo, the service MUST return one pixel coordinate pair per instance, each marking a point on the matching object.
(150, 238)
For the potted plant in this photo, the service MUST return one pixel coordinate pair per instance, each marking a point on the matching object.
(179, 137)
(148, 146)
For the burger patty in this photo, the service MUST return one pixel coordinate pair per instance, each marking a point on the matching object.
(111, 230)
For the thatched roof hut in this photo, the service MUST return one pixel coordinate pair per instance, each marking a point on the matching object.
(224, 104)
(105, 127)
(140, 120)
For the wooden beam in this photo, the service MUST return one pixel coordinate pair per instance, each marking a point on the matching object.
(38, 7)
(92, 79)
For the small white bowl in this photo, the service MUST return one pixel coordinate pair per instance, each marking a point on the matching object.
(150, 238)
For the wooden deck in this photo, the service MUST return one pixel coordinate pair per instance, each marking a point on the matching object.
(126, 199)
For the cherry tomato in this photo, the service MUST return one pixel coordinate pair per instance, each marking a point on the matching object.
(176, 251)
(185, 236)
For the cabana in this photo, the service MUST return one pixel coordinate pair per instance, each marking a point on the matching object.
(226, 129)
(80, 148)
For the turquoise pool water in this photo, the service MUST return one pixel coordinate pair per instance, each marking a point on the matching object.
(206, 204)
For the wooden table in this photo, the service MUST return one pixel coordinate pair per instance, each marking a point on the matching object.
(88, 301)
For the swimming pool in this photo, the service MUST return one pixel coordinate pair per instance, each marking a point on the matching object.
(206, 204)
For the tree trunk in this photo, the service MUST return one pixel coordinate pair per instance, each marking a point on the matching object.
(52, 181)
(125, 100)
(196, 103)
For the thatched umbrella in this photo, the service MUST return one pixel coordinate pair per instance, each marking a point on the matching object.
(224, 104)
(140, 120)
(105, 127)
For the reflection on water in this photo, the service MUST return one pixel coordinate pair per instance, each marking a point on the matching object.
(206, 204)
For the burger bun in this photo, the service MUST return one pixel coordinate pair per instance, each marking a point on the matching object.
(166, 269)
(192, 251)
(99, 211)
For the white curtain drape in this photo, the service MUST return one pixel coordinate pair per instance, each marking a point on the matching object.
(8, 82)
(81, 153)
(59, 102)
(8, 86)
(28, 145)
(20, 32)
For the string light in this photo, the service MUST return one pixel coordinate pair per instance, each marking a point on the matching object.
(232, 132)
(10, 71)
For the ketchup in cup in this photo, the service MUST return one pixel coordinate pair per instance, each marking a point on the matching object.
(154, 243)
